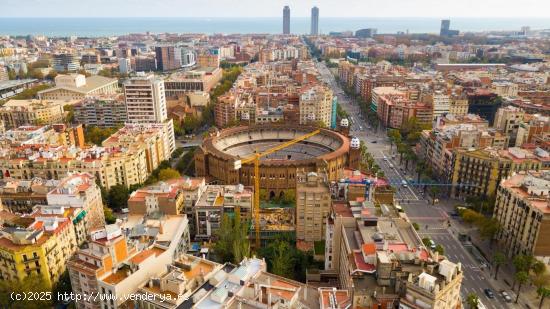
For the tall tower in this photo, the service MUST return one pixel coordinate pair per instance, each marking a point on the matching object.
(315, 21)
(286, 20)
(445, 27)
(145, 101)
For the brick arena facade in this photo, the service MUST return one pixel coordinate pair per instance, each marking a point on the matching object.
(328, 151)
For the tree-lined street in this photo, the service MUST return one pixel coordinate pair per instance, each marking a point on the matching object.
(433, 220)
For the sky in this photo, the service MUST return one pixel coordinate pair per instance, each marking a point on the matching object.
(273, 8)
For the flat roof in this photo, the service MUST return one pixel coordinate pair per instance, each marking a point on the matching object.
(14, 83)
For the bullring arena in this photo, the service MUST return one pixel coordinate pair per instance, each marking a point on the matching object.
(328, 151)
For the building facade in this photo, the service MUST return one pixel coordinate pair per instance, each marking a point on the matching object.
(522, 210)
(313, 201)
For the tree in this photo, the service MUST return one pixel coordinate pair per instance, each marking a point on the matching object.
(543, 292)
(97, 135)
(118, 197)
(282, 261)
(498, 259)
(109, 217)
(69, 109)
(541, 280)
(401, 149)
(241, 243)
(37, 74)
(168, 173)
(521, 277)
(488, 228)
(63, 285)
(472, 300)
(232, 243)
(420, 167)
(434, 191)
(11, 74)
(289, 196)
(538, 268)
(51, 75)
(471, 216)
(33, 283)
(440, 249)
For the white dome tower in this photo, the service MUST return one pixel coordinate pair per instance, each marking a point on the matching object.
(355, 143)
(344, 123)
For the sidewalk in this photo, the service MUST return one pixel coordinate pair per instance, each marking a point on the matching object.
(528, 297)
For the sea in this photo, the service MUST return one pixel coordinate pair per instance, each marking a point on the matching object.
(112, 26)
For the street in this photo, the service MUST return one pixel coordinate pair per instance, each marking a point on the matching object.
(433, 220)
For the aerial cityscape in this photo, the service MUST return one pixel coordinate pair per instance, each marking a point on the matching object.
(301, 157)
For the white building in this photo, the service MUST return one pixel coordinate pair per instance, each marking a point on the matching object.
(316, 105)
(441, 104)
(145, 100)
(124, 66)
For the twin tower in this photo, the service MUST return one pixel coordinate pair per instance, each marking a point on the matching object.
(314, 20)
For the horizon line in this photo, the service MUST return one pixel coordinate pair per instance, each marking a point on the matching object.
(435, 17)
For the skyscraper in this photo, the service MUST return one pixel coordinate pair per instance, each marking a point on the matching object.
(166, 58)
(286, 20)
(445, 26)
(315, 21)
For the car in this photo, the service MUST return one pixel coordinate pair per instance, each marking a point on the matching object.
(432, 244)
(124, 210)
(374, 142)
(391, 165)
(506, 296)
(489, 293)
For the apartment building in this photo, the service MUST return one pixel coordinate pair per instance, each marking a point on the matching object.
(20, 196)
(208, 60)
(153, 141)
(145, 99)
(78, 87)
(164, 197)
(507, 121)
(248, 284)
(65, 62)
(16, 113)
(225, 110)
(441, 103)
(438, 287)
(111, 166)
(54, 135)
(379, 92)
(381, 261)
(458, 106)
(166, 58)
(192, 189)
(394, 111)
(103, 112)
(437, 146)
(39, 247)
(183, 281)
(316, 105)
(106, 248)
(313, 200)
(482, 170)
(522, 210)
(79, 190)
(217, 200)
(159, 240)
(201, 79)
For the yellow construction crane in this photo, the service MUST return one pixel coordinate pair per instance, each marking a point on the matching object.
(256, 159)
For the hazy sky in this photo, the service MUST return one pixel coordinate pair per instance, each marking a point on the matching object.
(273, 8)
